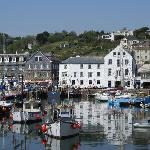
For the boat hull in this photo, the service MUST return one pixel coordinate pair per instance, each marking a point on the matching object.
(61, 129)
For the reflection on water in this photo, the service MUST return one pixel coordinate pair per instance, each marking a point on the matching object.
(103, 127)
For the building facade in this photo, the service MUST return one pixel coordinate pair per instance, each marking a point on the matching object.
(41, 67)
(115, 69)
(12, 65)
(81, 72)
(119, 68)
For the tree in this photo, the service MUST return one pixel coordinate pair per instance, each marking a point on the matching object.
(42, 38)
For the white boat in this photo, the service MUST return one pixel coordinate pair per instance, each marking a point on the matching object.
(102, 96)
(63, 123)
(5, 106)
(119, 94)
(30, 112)
(144, 124)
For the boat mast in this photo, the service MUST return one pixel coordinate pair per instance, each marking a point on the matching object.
(4, 65)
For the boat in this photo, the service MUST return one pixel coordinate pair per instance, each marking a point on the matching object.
(31, 112)
(143, 124)
(125, 102)
(102, 96)
(5, 105)
(62, 124)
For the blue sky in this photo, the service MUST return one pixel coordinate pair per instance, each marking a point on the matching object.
(29, 17)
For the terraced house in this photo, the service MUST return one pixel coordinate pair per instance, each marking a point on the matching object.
(115, 69)
(41, 67)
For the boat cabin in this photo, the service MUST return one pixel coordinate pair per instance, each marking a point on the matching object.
(64, 112)
(31, 106)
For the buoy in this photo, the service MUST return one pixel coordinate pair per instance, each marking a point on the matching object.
(78, 125)
(44, 141)
(73, 126)
(43, 128)
(37, 116)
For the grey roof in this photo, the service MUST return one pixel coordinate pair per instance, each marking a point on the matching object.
(84, 60)
(130, 37)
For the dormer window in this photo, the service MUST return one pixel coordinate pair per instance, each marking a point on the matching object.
(38, 58)
(114, 53)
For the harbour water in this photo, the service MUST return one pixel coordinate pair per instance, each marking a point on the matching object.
(103, 127)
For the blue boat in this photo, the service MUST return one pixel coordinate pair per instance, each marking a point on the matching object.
(125, 102)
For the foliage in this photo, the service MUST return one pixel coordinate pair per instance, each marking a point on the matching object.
(142, 33)
(63, 44)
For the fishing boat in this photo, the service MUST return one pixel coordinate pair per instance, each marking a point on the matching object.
(5, 105)
(30, 112)
(62, 124)
(143, 124)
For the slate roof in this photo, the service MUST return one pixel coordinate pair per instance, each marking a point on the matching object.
(84, 60)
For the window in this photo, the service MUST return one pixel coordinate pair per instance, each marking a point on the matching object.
(40, 58)
(109, 83)
(114, 53)
(75, 74)
(126, 61)
(64, 74)
(81, 66)
(36, 58)
(81, 74)
(138, 57)
(89, 74)
(109, 72)
(145, 57)
(90, 81)
(118, 73)
(35, 74)
(47, 74)
(126, 72)
(81, 82)
(65, 66)
(73, 82)
(89, 66)
(109, 61)
(118, 53)
(98, 81)
(124, 53)
(41, 66)
(118, 62)
(98, 74)
(98, 66)
(13, 59)
(47, 66)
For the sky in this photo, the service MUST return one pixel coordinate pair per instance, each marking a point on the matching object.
(30, 17)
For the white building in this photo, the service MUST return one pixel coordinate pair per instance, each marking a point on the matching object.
(119, 68)
(123, 32)
(83, 72)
